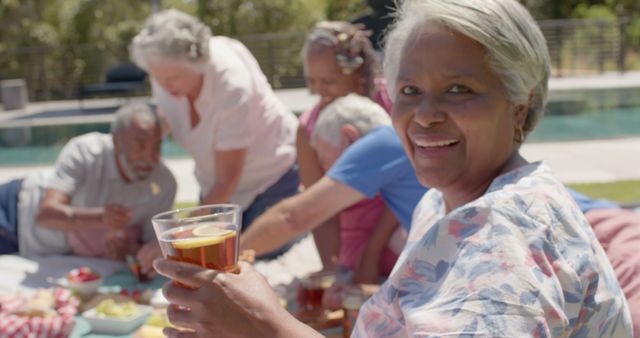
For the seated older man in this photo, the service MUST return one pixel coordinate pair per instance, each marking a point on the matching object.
(102, 187)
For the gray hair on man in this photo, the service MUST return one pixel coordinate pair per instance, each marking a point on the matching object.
(516, 48)
(358, 111)
(171, 35)
(126, 114)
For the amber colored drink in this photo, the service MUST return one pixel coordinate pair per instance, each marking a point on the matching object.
(313, 289)
(212, 245)
(313, 297)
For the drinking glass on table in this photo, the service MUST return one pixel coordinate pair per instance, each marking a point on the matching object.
(312, 288)
(207, 235)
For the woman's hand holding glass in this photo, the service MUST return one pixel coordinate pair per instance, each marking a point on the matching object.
(218, 303)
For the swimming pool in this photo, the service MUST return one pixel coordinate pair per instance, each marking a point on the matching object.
(571, 115)
(590, 114)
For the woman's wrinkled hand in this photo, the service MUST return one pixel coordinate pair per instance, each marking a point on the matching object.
(219, 304)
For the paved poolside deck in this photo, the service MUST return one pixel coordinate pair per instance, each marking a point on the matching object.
(581, 161)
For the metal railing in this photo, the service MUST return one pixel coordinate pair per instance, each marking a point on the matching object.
(581, 47)
(576, 47)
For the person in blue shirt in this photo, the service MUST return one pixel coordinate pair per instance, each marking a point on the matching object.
(586, 203)
(375, 163)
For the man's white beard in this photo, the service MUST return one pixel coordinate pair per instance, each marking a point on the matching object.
(126, 169)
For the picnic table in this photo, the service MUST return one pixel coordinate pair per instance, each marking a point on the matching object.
(21, 274)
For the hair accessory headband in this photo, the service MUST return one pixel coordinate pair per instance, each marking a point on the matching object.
(349, 41)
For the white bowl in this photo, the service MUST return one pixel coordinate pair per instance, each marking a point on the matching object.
(83, 289)
(117, 326)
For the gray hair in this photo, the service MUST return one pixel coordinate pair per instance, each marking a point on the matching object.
(516, 48)
(172, 36)
(353, 109)
(126, 114)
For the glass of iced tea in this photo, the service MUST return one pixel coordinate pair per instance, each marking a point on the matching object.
(313, 288)
(207, 235)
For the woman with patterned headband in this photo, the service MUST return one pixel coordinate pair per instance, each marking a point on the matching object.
(339, 60)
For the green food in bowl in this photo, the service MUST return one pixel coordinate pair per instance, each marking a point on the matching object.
(159, 320)
(109, 308)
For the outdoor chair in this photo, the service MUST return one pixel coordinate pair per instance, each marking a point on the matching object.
(122, 79)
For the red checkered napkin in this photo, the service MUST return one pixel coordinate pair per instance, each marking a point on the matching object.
(59, 326)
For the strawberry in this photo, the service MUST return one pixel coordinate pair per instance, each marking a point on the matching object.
(82, 274)
(136, 295)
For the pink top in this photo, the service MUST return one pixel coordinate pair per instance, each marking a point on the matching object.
(309, 118)
(357, 222)
(356, 225)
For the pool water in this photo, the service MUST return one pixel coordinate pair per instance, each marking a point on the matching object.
(590, 114)
(42, 154)
(571, 115)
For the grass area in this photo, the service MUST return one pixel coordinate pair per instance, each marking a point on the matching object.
(625, 192)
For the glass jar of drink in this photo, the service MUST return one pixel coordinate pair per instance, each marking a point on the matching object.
(313, 288)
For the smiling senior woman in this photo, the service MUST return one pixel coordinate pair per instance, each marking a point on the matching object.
(219, 107)
(497, 247)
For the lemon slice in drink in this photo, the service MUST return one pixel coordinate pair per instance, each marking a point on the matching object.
(211, 230)
(204, 235)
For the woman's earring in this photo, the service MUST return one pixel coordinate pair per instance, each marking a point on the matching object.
(519, 135)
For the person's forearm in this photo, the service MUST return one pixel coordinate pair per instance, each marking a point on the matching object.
(277, 226)
(310, 170)
(381, 234)
(297, 215)
(228, 166)
(67, 218)
(220, 193)
(327, 239)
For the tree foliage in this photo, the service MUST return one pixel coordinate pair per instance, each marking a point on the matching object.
(54, 44)
(58, 44)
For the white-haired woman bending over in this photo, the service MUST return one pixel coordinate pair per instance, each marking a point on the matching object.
(220, 108)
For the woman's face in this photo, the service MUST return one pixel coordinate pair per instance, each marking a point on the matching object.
(324, 76)
(452, 113)
(177, 79)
